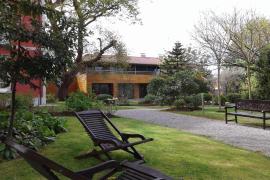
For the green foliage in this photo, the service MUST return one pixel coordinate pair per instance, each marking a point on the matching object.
(79, 101)
(149, 99)
(232, 97)
(193, 101)
(223, 99)
(175, 60)
(104, 97)
(207, 97)
(33, 129)
(50, 98)
(155, 86)
(4, 100)
(181, 84)
(263, 75)
(24, 101)
(179, 103)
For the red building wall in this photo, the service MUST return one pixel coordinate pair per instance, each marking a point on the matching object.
(26, 89)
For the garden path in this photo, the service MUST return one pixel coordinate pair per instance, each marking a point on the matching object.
(249, 138)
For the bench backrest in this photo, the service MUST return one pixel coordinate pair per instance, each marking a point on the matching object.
(253, 105)
(94, 122)
(43, 165)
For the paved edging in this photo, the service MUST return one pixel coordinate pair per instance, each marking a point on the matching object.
(249, 138)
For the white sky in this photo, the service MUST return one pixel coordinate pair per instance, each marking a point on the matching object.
(168, 21)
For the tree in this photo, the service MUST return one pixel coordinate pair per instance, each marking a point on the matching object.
(22, 65)
(84, 14)
(248, 33)
(179, 85)
(175, 60)
(263, 76)
(214, 40)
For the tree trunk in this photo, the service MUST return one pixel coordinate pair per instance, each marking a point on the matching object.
(12, 115)
(249, 82)
(219, 91)
(63, 88)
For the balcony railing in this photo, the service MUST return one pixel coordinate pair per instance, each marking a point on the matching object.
(123, 72)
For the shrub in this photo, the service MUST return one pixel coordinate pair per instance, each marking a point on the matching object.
(33, 129)
(50, 98)
(104, 97)
(179, 103)
(149, 99)
(79, 101)
(232, 97)
(207, 97)
(193, 101)
(223, 99)
(24, 101)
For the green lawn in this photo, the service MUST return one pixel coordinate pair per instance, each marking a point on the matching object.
(212, 112)
(172, 152)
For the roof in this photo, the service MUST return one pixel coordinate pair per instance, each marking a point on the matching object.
(144, 60)
(131, 59)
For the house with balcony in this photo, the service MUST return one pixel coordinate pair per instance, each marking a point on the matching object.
(108, 77)
(130, 82)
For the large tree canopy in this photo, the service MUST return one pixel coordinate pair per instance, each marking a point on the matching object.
(83, 14)
(20, 25)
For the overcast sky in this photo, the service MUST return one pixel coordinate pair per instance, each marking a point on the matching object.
(168, 21)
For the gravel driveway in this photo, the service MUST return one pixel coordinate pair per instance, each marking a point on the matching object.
(250, 138)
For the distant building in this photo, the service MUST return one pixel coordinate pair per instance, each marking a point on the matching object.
(107, 77)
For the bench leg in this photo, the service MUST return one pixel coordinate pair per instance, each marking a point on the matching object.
(264, 124)
(235, 118)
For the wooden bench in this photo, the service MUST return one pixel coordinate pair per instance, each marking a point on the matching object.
(260, 106)
(50, 169)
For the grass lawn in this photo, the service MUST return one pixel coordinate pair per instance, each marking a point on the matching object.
(212, 112)
(172, 152)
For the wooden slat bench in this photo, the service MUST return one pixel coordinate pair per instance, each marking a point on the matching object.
(262, 107)
(50, 169)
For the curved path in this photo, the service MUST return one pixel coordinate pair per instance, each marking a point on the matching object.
(250, 138)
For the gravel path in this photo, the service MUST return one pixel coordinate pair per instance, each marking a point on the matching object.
(250, 138)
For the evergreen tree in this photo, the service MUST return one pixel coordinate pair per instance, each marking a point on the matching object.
(176, 60)
(263, 73)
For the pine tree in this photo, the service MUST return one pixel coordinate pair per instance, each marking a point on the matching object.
(175, 61)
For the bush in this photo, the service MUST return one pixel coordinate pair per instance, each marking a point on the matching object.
(79, 101)
(50, 98)
(179, 103)
(104, 97)
(223, 99)
(149, 99)
(24, 101)
(193, 101)
(232, 97)
(207, 97)
(33, 129)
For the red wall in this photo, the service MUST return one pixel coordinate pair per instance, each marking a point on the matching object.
(26, 88)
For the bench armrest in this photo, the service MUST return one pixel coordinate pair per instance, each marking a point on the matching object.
(112, 164)
(126, 136)
(106, 141)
